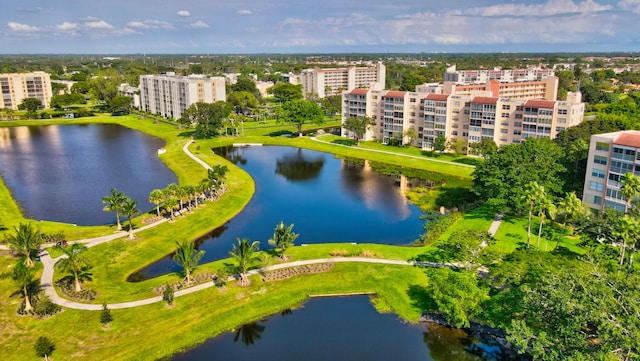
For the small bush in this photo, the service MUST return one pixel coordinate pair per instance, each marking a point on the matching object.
(348, 142)
(338, 253)
(167, 294)
(221, 277)
(44, 307)
(44, 346)
(105, 315)
(367, 254)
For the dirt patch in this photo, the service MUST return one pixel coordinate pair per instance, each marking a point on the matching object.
(195, 280)
(286, 273)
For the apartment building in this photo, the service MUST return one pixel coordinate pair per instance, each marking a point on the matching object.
(169, 95)
(466, 117)
(611, 156)
(16, 87)
(325, 82)
(469, 77)
(546, 89)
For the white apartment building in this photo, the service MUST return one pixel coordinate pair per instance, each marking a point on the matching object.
(325, 82)
(469, 77)
(16, 87)
(169, 95)
(546, 89)
(611, 156)
(466, 117)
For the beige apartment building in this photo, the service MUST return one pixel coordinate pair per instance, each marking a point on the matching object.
(535, 89)
(469, 77)
(611, 156)
(16, 87)
(466, 117)
(324, 82)
(169, 95)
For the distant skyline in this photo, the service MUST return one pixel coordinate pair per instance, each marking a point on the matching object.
(326, 26)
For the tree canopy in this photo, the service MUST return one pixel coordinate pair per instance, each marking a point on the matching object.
(207, 118)
(298, 112)
(284, 92)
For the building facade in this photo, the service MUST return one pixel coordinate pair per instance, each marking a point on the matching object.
(466, 117)
(546, 89)
(611, 156)
(16, 87)
(169, 95)
(469, 77)
(324, 82)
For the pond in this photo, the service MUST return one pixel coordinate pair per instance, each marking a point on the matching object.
(339, 328)
(61, 172)
(327, 199)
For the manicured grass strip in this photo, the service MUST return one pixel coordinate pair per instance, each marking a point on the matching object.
(477, 219)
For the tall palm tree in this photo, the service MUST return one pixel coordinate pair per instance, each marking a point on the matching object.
(283, 238)
(156, 197)
(187, 257)
(181, 194)
(217, 173)
(545, 206)
(74, 263)
(627, 229)
(25, 241)
(630, 189)
(532, 192)
(244, 254)
(571, 206)
(113, 203)
(130, 210)
(23, 278)
(169, 205)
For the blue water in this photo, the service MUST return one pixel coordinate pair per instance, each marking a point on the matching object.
(326, 198)
(61, 172)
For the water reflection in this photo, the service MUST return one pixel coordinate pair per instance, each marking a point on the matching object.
(249, 333)
(439, 340)
(296, 166)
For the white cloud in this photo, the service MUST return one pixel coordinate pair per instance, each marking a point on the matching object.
(184, 13)
(22, 28)
(150, 24)
(98, 24)
(244, 12)
(67, 26)
(630, 5)
(199, 25)
(551, 7)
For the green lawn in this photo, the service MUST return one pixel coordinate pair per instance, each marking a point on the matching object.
(477, 219)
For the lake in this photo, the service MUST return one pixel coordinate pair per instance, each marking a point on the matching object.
(61, 172)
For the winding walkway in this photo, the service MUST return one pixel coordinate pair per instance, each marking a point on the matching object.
(46, 280)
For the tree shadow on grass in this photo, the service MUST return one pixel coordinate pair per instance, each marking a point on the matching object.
(420, 298)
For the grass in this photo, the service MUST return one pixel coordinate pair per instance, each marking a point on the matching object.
(478, 219)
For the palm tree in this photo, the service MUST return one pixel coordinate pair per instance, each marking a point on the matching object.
(169, 205)
(181, 194)
(630, 189)
(26, 241)
(571, 205)
(283, 238)
(130, 210)
(244, 254)
(187, 257)
(217, 173)
(532, 192)
(114, 203)
(23, 278)
(74, 263)
(627, 229)
(545, 206)
(156, 197)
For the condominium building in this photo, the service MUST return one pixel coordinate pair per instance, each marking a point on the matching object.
(325, 82)
(469, 77)
(546, 89)
(466, 117)
(16, 87)
(611, 156)
(169, 95)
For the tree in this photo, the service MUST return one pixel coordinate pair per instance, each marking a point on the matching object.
(358, 126)
(207, 118)
(456, 294)
(244, 253)
(245, 84)
(545, 206)
(485, 148)
(439, 143)
(332, 104)
(156, 197)
(630, 189)
(286, 92)
(571, 207)
(114, 202)
(25, 241)
(104, 86)
(532, 191)
(187, 257)
(44, 347)
(120, 105)
(283, 238)
(411, 134)
(169, 205)
(242, 100)
(105, 315)
(74, 263)
(458, 146)
(22, 276)
(167, 294)
(31, 105)
(130, 210)
(299, 112)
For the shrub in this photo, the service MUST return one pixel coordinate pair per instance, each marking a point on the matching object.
(221, 277)
(348, 142)
(44, 346)
(167, 294)
(105, 315)
(338, 253)
(44, 307)
(436, 225)
(367, 254)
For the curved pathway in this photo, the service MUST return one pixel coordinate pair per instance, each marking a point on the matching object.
(46, 280)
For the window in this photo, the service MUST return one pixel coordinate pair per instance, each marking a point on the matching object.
(562, 111)
(602, 146)
(596, 186)
(600, 160)
(598, 173)
(506, 107)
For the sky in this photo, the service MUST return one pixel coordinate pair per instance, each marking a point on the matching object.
(316, 26)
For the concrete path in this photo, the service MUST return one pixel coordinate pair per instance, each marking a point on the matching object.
(393, 153)
(198, 160)
(497, 219)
